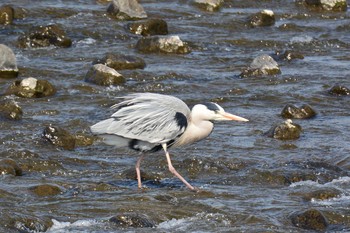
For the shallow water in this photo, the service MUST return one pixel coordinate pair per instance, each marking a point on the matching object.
(250, 183)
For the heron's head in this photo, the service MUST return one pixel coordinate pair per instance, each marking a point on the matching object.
(213, 112)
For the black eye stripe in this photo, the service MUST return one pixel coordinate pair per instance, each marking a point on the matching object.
(212, 107)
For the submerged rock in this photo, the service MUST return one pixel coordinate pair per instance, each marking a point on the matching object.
(162, 44)
(103, 75)
(83, 140)
(44, 36)
(59, 137)
(6, 15)
(262, 65)
(339, 90)
(121, 62)
(310, 219)
(46, 190)
(10, 110)
(303, 112)
(31, 88)
(263, 18)
(8, 63)
(132, 220)
(208, 5)
(126, 10)
(329, 5)
(149, 27)
(287, 130)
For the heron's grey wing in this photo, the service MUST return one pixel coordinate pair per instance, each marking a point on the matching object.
(153, 118)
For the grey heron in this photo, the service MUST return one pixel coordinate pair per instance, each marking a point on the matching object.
(148, 122)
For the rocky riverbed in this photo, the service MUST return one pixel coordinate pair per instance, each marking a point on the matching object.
(284, 65)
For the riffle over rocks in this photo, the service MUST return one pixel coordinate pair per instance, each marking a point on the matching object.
(8, 63)
(261, 65)
(103, 75)
(121, 62)
(303, 112)
(262, 18)
(126, 10)
(149, 27)
(31, 88)
(44, 36)
(286, 130)
(208, 5)
(162, 44)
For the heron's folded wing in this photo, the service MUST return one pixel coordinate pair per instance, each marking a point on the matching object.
(154, 118)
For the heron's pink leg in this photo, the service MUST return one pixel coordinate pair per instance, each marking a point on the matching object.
(138, 173)
(172, 169)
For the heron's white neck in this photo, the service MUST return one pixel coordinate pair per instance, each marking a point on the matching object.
(195, 131)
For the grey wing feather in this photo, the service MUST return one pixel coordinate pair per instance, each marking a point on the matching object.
(154, 118)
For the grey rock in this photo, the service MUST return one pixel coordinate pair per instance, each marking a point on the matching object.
(208, 5)
(303, 112)
(31, 88)
(8, 63)
(126, 10)
(162, 44)
(329, 5)
(103, 75)
(121, 62)
(262, 65)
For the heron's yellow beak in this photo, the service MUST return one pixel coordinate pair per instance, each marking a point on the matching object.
(229, 116)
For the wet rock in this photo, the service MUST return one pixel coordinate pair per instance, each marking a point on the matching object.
(303, 112)
(266, 177)
(162, 44)
(31, 223)
(311, 220)
(263, 18)
(287, 55)
(208, 5)
(44, 36)
(287, 130)
(121, 62)
(132, 220)
(329, 5)
(339, 90)
(45, 190)
(8, 63)
(31, 88)
(59, 137)
(103, 75)
(262, 65)
(126, 10)
(10, 110)
(6, 15)
(9, 166)
(323, 194)
(149, 27)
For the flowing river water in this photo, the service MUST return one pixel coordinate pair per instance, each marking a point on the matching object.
(249, 182)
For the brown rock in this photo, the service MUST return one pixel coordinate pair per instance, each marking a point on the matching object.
(44, 36)
(6, 15)
(59, 137)
(10, 110)
(132, 220)
(149, 27)
(162, 44)
(290, 111)
(121, 62)
(287, 130)
(103, 75)
(31, 88)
